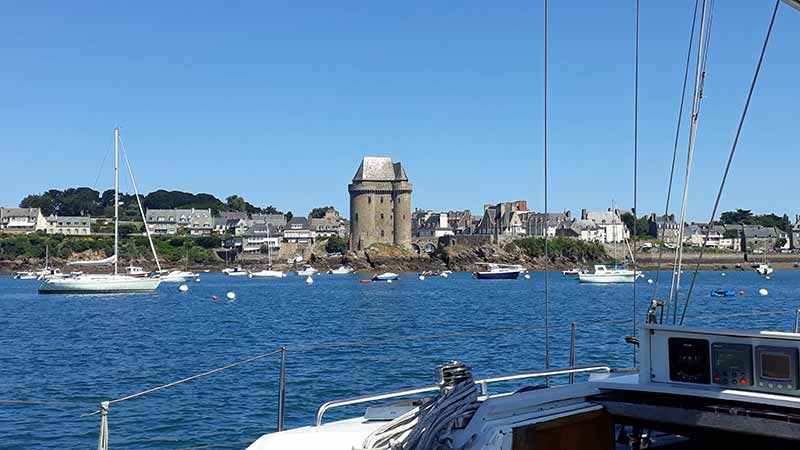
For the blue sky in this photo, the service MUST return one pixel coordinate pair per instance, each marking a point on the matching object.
(278, 101)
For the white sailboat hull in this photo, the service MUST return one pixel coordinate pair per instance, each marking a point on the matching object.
(267, 274)
(99, 284)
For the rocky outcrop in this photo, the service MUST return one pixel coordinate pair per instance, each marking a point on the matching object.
(464, 258)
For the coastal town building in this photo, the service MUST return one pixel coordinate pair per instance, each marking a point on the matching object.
(611, 222)
(581, 229)
(431, 224)
(504, 220)
(261, 236)
(22, 220)
(69, 225)
(276, 220)
(664, 228)
(380, 204)
(195, 222)
(757, 238)
(298, 231)
(330, 224)
(540, 224)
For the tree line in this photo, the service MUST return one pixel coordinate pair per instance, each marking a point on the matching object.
(84, 201)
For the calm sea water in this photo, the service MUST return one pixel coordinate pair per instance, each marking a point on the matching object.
(88, 349)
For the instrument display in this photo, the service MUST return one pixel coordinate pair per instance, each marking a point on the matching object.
(732, 364)
(776, 368)
(688, 360)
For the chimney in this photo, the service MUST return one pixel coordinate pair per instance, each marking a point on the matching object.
(584, 214)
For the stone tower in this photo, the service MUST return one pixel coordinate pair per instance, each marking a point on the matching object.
(380, 204)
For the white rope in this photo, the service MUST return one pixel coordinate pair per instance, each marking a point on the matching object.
(426, 427)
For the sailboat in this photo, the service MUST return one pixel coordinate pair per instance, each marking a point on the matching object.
(764, 268)
(102, 283)
(605, 275)
(268, 272)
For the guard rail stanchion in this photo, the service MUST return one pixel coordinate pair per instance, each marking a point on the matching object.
(282, 389)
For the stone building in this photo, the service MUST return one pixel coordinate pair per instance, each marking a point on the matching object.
(380, 204)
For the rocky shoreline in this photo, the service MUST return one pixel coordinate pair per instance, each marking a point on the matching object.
(459, 258)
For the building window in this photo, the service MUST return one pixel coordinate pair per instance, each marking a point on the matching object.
(381, 199)
(355, 219)
(381, 233)
(369, 200)
(381, 216)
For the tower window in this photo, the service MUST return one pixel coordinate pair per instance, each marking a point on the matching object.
(381, 233)
(356, 218)
(381, 216)
(369, 200)
(381, 199)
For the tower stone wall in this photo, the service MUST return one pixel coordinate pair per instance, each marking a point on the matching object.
(380, 204)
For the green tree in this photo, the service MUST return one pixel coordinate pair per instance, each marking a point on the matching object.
(236, 203)
(318, 213)
(336, 244)
(740, 216)
(642, 224)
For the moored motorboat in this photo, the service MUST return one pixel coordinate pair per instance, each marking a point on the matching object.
(574, 271)
(604, 275)
(723, 293)
(236, 272)
(764, 269)
(307, 271)
(341, 270)
(387, 276)
(499, 271)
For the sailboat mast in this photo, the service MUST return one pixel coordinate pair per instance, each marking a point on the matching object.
(698, 86)
(116, 200)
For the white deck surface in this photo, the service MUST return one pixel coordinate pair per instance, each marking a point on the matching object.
(341, 435)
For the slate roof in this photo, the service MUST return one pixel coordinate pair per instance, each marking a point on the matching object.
(379, 168)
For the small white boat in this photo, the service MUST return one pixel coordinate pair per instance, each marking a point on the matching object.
(236, 272)
(764, 269)
(499, 272)
(604, 275)
(388, 276)
(49, 274)
(574, 271)
(267, 273)
(26, 275)
(307, 271)
(342, 270)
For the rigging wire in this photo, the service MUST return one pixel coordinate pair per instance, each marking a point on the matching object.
(635, 169)
(675, 154)
(676, 270)
(730, 158)
(546, 251)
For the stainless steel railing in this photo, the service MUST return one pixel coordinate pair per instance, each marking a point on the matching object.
(483, 383)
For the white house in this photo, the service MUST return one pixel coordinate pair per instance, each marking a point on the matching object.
(611, 222)
(69, 225)
(22, 220)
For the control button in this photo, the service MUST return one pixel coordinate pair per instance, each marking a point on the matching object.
(734, 381)
(716, 379)
(743, 381)
(780, 386)
(770, 385)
